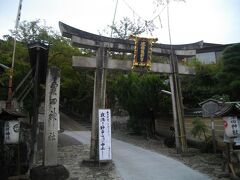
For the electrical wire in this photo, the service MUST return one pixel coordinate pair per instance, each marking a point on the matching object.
(169, 30)
(134, 12)
(114, 16)
(125, 2)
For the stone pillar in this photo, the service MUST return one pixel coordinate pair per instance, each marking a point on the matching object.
(50, 170)
(98, 99)
(51, 117)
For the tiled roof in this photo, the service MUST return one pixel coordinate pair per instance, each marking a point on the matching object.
(229, 109)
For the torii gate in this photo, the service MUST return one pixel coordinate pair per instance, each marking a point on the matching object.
(101, 62)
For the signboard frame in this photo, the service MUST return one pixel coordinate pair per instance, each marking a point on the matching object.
(104, 134)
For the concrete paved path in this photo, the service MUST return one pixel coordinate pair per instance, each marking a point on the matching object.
(135, 163)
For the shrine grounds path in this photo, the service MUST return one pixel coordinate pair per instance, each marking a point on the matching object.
(136, 163)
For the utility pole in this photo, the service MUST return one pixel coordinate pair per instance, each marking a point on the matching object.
(10, 82)
(178, 114)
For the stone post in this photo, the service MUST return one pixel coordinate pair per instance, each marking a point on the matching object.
(50, 170)
(51, 119)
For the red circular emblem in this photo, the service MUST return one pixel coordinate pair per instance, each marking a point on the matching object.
(225, 124)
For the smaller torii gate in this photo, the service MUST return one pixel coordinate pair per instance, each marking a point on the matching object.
(101, 63)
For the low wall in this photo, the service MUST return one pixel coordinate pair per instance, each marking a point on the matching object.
(163, 125)
(219, 127)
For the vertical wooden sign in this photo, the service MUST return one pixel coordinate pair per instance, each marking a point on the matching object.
(105, 146)
(51, 116)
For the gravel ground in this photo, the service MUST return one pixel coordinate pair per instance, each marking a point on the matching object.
(72, 157)
(206, 163)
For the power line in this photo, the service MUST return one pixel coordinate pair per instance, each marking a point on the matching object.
(134, 12)
(114, 16)
(125, 2)
(159, 13)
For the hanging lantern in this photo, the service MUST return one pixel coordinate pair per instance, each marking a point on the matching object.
(142, 52)
(231, 126)
(11, 132)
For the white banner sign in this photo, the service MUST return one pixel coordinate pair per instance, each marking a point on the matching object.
(11, 132)
(231, 126)
(105, 149)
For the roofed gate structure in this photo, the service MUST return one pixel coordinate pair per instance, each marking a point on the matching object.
(102, 62)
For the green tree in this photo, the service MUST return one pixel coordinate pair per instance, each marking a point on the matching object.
(34, 30)
(76, 87)
(21, 65)
(202, 85)
(140, 95)
(199, 128)
(229, 76)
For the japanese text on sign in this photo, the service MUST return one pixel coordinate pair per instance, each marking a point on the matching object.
(105, 149)
(51, 124)
(231, 126)
(11, 132)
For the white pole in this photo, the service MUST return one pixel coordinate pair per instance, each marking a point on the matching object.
(15, 32)
(10, 83)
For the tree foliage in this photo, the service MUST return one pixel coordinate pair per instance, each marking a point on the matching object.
(21, 65)
(34, 30)
(140, 95)
(76, 88)
(125, 27)
(220, 80)
(229, 76)
(199, 128)
(202, 85)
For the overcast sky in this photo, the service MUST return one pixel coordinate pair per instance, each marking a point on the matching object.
(215, 21)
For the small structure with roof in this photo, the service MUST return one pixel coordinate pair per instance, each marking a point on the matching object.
(230, 113)
(14, 143)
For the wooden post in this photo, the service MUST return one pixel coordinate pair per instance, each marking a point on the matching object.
(51, 119)
(98, 98)
(180, 135)
(213, 134)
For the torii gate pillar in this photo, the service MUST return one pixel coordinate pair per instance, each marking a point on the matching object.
(178, 114)
(98, 98)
